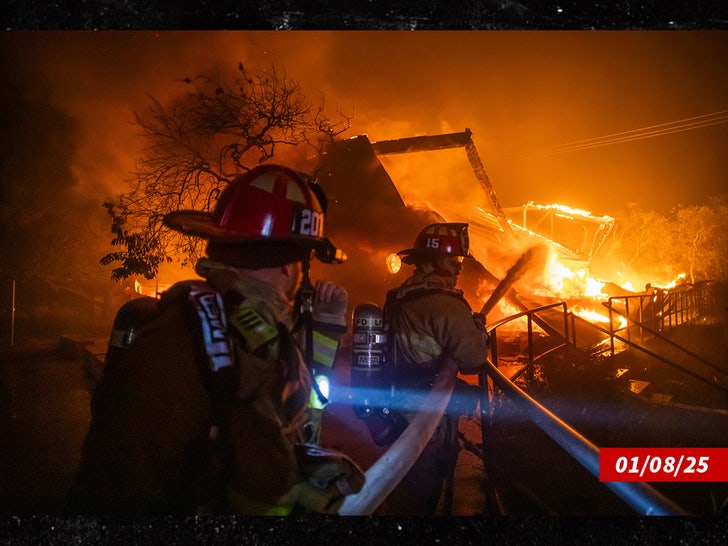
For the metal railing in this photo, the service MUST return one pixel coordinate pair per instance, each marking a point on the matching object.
(641, 497)
(531, 317)
(661, 309)
(649, 316)
(708, 378)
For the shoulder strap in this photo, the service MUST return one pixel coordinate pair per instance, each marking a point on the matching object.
(215, 359)
(395, 298)
(210, 309)
(210, 457)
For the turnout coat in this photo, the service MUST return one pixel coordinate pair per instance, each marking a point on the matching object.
(430, 320)
(158, 443)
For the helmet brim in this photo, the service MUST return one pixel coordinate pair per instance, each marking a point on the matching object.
(198, 224)
(413, 256)
(201, 224)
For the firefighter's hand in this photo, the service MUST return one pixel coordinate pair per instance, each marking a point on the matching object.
(328, 477)
(479, 319)
(329, 304)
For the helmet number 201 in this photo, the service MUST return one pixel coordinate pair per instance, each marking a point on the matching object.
(312, 223)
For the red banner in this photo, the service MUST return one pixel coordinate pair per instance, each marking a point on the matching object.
(663, 464)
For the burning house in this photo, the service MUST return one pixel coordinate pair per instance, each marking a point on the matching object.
(377, 206)
(382, 193)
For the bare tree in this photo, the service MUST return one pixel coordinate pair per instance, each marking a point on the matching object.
(641, 234)
(702, 239)
(195, 145)
(691, 239)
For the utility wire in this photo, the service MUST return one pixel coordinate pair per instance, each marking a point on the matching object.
(661, 129)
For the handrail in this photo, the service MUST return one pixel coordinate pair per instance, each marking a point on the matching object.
(653, 354)
(492, 329)
(642, 497)
(667, 307)
(663, 338)
(510, 318)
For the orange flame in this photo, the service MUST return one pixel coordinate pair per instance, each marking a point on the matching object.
(567, 284)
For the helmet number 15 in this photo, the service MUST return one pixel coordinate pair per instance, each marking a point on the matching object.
(311, 223)
(432, 242)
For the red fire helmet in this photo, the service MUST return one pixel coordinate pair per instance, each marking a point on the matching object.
(270, 205)
(442, 239)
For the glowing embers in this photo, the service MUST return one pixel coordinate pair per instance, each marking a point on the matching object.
(618, 322)
(611, 345)
(637, 386)
(568, 212)
(589, 314)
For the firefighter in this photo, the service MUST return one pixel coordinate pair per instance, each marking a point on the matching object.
(213, 406)
(428, 319)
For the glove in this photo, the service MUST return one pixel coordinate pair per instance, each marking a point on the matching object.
(479, 320)
(385, 425)
(329, 476)
(329, 305)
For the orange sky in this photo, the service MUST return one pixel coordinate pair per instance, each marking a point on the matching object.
(524, 95)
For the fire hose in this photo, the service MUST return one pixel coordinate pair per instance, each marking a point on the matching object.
(384, 475)
(516, 271)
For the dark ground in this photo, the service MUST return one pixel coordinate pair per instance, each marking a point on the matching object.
(45, 396)
(673, 411)
(44, 413)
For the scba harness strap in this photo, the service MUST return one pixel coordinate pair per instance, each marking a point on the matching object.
(389, 423)
(210, 309)
(396, 298)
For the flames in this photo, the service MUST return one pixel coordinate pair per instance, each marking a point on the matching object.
(583, 293)
(568, 284)
(579, 286)
(672, 284)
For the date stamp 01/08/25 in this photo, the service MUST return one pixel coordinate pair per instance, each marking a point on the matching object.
(663, 464)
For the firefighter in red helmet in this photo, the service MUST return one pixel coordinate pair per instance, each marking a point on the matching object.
(213, 406)
(428, 320)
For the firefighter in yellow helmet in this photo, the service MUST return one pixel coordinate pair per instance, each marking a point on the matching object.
(429, 319)
(212, 404)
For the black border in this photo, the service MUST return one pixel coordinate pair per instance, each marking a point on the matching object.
(335, 530)
(364, 15)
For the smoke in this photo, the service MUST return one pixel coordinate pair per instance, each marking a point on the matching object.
(521, 94)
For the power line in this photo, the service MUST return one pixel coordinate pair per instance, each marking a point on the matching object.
(661, 129)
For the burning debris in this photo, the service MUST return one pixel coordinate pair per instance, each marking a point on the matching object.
(375, 216)
(525, 258)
